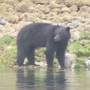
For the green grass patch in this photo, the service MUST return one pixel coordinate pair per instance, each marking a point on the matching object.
(81, 47)
(7, 50)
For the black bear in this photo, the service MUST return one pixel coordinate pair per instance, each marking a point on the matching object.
(54, 37)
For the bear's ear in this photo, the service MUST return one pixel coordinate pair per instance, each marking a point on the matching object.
(68, 28)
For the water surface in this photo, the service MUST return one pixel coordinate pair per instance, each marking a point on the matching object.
(44, 79)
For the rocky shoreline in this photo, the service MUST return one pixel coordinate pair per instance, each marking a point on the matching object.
(69, 12)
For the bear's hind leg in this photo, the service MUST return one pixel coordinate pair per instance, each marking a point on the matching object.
(31, 57)
(20, 57)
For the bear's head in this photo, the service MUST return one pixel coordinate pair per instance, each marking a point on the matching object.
(61, 33)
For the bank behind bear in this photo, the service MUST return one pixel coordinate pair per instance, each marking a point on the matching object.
(54, 37)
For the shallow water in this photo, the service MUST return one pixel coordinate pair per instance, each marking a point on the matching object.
(43, 79)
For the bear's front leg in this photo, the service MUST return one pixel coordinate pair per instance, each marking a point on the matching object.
(49, 56)
(60, 55)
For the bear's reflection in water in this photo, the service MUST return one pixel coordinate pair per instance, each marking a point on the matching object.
(40, 80)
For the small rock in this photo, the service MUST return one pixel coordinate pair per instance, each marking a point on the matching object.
(70, 60)
(3, 21)
(40, 1)
(74, 8)
(65, 9)
(75, 35)
(85, 9)
(88, 63)
(74, 24)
